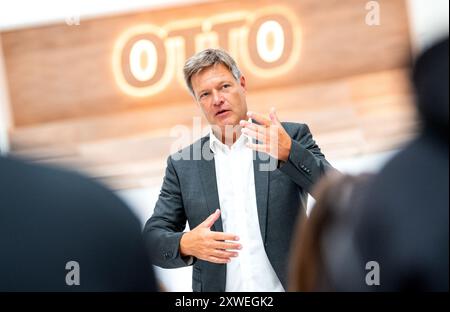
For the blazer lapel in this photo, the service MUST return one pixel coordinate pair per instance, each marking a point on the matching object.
(207, 171)
(260, 167)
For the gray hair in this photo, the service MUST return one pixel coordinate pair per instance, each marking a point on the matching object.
(208, 58)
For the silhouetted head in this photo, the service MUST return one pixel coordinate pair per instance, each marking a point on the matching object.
(430, 78)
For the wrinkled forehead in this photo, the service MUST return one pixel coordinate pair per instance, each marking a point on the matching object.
(216, 67)
(212, 74)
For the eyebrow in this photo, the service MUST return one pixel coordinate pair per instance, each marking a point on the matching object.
(205, 90)
(221, 83)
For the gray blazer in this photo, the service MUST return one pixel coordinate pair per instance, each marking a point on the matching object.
(189, 193)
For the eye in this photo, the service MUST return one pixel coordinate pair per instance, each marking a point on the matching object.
(204, 94)
(226, 86)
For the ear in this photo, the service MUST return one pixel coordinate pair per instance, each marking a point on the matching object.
(243, 83)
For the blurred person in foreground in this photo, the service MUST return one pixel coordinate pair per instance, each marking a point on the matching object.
(234, 204)
(62, 232)
(399, 241)
(336, 196)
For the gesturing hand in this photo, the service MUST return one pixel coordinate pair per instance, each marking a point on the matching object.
(274, 140)
(208, 245)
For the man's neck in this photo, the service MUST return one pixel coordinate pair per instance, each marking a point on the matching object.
(229, 136)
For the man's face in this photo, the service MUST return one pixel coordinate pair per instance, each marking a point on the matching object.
(220, 96)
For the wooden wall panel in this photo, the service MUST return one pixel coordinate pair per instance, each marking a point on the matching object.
(65, 72)
(349, 84)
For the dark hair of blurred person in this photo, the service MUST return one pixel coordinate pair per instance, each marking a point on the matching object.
(336, 194)
(49, 218)
(403, 218)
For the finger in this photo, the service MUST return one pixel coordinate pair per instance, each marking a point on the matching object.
(227, 246)
(256, 135)
(217, 260)
(273, 116)
(244, 123)
(221, 236)
(211, 219)
(224, 254)
(259, 118)
(258, 147)
(253, 126)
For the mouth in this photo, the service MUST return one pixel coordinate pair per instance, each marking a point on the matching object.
(222, 112)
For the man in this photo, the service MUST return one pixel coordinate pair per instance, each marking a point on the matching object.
(241, 214)
(63, 232)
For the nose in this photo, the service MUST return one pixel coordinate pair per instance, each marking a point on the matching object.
(217, 98)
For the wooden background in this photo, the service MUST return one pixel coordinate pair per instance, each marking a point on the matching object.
(350, 85)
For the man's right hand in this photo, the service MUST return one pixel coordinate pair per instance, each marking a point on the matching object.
(208, 245)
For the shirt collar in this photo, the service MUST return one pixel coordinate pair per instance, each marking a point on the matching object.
(215, 143)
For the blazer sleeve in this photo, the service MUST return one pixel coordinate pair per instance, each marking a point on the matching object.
(163, 231)
(306, 163)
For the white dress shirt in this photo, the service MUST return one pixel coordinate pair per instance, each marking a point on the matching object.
(251, 270)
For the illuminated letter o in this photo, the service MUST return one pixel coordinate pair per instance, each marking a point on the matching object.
(270, 51)
(137, 78)
(264, 54)
(135, 45)
(143, 48)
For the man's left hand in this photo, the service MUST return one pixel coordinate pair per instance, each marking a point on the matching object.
(274, 140)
